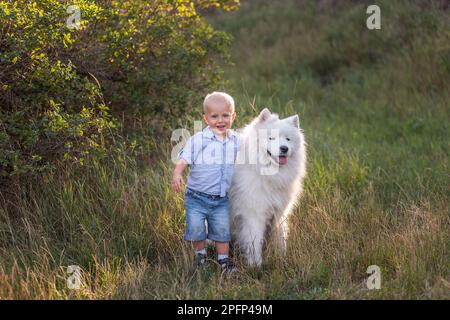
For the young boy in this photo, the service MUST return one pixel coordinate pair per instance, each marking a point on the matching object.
(211, 155)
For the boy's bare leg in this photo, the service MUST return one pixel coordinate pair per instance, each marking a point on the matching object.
(199, 245)
(222, 247)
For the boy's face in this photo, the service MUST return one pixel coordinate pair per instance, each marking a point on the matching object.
(219, 117)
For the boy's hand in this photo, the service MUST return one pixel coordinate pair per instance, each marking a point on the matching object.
(177, 182)
(177, 178)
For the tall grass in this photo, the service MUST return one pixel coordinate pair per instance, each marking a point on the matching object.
(374, 106)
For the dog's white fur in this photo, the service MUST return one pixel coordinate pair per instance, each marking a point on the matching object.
(263, 193)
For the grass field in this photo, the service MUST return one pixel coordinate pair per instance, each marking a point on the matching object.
(374, 106)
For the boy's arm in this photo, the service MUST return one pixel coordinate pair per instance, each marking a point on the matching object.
(177, 179)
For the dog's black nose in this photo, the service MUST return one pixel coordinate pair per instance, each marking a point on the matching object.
(284, 149)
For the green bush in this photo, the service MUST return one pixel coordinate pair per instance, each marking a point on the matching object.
(62, 88)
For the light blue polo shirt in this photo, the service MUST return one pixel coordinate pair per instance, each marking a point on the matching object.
(212, 161)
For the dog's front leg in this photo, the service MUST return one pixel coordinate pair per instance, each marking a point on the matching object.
(252, 243)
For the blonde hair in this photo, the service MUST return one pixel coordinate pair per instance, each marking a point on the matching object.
(218, 96)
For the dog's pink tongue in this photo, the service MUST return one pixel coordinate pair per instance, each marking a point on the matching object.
(282, 160)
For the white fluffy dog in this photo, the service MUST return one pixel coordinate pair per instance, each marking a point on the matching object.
(267, 182)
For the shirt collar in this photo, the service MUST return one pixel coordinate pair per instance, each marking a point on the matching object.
(208, 133)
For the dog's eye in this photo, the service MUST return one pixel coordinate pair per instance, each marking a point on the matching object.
(288, 139)
(271, 138)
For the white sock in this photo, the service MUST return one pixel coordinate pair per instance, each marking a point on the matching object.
(203, 251)
(222, 256)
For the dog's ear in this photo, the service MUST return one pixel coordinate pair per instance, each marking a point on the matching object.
(264, 115)
(294, 120)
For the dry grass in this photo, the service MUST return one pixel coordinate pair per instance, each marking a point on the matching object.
(126, 235)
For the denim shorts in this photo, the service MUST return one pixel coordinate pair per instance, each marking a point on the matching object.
(214, 209)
